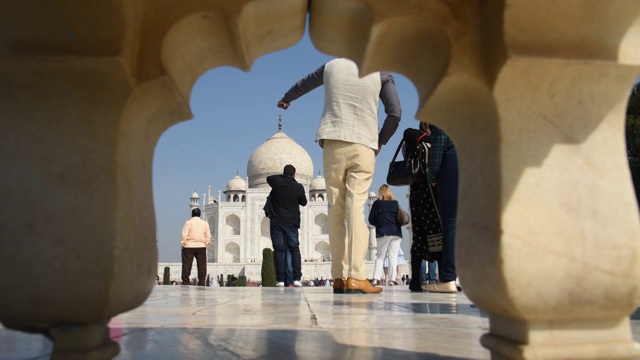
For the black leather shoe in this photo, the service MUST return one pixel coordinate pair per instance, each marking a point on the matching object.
(414, 286)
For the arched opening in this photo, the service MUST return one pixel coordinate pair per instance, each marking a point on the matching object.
(320, 225)
(232, 225)
(228, 153)
(232, 252)
(264, 227)
(322, 251)
(265, 237)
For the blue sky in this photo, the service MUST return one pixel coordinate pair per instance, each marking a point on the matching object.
(234, 113)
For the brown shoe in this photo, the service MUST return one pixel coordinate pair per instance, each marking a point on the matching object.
(339, 286)
(355, 286)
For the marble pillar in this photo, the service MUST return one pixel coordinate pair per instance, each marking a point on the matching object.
(87, 89)
(534, 97)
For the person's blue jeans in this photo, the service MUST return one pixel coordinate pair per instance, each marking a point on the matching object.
(423, 271)
(447, 200)
(433, 272)
(289, 270)
(429, 277)
(285, 236)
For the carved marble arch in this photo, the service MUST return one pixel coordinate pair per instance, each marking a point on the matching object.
(533, 93)
(265, 237)
(265, 224)
(320, 224)
(322, 251)
(232, 252)
(508, 70)
(232, 225)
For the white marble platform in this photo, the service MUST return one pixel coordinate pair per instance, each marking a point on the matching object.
(185, 322)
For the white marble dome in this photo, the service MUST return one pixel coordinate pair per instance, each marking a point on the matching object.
(318, 183)
(237, 184)
(271, 157)
(194, 195)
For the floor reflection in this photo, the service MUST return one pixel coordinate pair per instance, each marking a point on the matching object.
(302, 323)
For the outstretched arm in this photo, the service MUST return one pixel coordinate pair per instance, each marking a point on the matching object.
(302, 86)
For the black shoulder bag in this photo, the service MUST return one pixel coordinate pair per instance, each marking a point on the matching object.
(410, 170)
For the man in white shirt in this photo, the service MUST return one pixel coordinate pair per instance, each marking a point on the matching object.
(348, 134)
(195, 239)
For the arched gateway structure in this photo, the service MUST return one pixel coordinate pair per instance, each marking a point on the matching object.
(533, 92)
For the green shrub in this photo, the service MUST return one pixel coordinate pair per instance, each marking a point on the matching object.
(268, 268)
(166, 278)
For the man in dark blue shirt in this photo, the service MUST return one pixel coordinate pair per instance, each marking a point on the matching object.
(286, 197)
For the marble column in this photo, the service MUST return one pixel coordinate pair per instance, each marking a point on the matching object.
(75, 212)
(533, 95)
(87, 89)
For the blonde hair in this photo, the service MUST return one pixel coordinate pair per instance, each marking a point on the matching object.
(385, 194)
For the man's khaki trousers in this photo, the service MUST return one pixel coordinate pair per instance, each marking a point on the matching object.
(348, 169)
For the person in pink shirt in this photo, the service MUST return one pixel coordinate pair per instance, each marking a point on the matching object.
(195, 239)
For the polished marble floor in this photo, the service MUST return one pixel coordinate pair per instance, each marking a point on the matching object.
(183, 322)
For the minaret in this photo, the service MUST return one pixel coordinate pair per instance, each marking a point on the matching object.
(195, 200)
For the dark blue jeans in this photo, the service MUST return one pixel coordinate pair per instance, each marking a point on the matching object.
(429, 277)
(285, 236)
(447, 199)
(287, 256)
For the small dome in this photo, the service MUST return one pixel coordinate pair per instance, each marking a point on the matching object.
(318, 183)
(237, 184)
(195, 195)
(372, 195)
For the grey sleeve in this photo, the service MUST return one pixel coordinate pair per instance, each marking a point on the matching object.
(391, 102)
(305, 85)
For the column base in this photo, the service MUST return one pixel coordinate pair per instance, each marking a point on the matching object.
(82, 341)
(585, 339)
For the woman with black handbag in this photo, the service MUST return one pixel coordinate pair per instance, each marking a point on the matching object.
(433, 213)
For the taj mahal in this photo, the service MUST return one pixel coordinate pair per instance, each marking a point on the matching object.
(239, 227)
